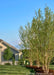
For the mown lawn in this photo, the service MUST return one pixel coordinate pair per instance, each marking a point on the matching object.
(51, 67)
(16, 70)
(13, 70)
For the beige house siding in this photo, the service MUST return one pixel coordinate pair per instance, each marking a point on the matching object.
(3, 47)
(14, 50)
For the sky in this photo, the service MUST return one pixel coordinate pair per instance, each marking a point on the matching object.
(16, 13)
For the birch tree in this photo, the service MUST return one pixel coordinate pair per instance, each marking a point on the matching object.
(38, 37)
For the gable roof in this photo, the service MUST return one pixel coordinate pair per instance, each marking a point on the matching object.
(3, 42)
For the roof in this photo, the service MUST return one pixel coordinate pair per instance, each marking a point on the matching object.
(3, 42)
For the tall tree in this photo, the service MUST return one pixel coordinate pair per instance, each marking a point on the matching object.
(39, 38)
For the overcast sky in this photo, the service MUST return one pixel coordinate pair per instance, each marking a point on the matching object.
(16, 13)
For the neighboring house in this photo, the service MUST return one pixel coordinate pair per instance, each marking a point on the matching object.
(3, 46)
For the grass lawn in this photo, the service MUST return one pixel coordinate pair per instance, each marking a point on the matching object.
(16, 70)
(13, 70)
(51, 67)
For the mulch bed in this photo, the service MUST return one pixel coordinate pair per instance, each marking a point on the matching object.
(40, 70)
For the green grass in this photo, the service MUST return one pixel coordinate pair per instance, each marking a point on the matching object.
(16, 70)
(13, 70)
(51, 67)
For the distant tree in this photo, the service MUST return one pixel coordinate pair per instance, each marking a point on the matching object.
(7, 54)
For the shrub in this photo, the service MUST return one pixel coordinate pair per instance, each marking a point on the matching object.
(20, 62)
(27, 62)
(13, 60)
(7, 64)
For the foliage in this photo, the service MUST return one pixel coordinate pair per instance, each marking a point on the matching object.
(39, 38)
(52, 61)
(20, 62)
(13, 60)
(7, 54)
(25, 54)
(7, 64)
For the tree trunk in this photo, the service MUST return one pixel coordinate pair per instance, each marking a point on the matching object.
(38, 64)
(45, 66)
(31, 63)
(45, 69)
(24, 62)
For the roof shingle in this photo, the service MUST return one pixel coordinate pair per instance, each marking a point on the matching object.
(1, 40)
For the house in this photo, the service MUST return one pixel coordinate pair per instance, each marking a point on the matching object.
(3, 46)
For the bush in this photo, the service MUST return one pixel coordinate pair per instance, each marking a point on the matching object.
(52, 61)
(7, 64)
(20, 62)
(34, 62)
(13, 60)
(27, 62)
